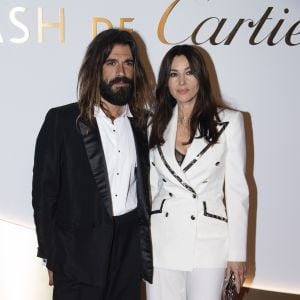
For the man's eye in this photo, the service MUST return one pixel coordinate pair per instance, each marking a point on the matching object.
(110, 63)
(129, 63)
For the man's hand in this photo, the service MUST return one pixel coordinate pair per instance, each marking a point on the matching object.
(239, 270)
(50, 273)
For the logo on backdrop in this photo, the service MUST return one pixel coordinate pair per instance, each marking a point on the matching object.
(218, 35)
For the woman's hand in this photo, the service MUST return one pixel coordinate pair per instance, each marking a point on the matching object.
(239, 270)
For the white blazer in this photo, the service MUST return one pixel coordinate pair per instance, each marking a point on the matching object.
(191, 227)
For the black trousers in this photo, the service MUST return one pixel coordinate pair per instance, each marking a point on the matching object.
(123, 281)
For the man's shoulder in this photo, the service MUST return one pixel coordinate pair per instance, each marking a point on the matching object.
(70, 108)
(64, 112)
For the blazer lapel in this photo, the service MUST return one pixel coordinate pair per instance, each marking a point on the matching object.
(198, 145)
(198, 149)
(95, 154)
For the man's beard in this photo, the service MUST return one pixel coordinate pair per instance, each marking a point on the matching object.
(121, 95)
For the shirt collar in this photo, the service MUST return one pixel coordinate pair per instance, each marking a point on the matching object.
(99, 113)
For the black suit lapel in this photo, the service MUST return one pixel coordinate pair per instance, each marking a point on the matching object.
(141, 143)
(95, 154)
(142, 170)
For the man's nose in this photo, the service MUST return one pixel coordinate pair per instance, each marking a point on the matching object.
(120, 70)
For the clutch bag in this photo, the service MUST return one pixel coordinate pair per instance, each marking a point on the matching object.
(229, 289)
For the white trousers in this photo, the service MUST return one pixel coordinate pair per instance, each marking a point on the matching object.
(199, 284)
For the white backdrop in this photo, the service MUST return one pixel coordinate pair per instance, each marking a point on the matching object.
(253, 76)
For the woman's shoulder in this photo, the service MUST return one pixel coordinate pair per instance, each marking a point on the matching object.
(229, 114)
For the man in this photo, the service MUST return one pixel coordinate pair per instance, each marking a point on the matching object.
(90, 179)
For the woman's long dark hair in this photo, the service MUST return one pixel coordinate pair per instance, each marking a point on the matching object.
(204, 115)
(90, 75)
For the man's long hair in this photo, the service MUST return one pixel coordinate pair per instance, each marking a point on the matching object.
(204, 116)
(90, 75)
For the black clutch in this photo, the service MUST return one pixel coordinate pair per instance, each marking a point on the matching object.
(229, 289)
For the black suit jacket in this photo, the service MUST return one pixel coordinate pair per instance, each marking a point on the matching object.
(71, 197)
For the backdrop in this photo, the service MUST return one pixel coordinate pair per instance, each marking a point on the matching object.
(252, 48)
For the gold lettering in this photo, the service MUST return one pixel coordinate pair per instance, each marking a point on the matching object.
(162, 24)
(126, 20)
(60, 25)
(99, 20)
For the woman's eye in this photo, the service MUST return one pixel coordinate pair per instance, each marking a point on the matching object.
(189, 72)
(172, 74)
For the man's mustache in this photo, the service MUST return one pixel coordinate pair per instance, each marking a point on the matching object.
(120, 79)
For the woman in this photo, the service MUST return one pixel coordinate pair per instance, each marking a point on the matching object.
(197, 165)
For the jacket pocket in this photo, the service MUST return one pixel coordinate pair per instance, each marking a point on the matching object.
(159, 211)
(210, 215)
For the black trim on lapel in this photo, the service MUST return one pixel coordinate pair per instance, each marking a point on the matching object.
(178, 178)
(95, 153)
(224, 125)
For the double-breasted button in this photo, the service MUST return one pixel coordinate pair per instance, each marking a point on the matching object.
(170, 194)
(193, 217)
(164, 180)
(153, 164)
(166, 214)
(217, 163)
(194, 196)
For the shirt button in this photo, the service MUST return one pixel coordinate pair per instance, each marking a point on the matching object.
(119, 151)
(116, 195)
(167, 214)
(194, 196)
(118, 173)
(164, 180)
(170, 194)
(193, 217)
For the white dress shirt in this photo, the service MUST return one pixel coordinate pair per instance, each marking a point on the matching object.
(120, 156)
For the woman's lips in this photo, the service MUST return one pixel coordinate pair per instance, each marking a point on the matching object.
(183, 91)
